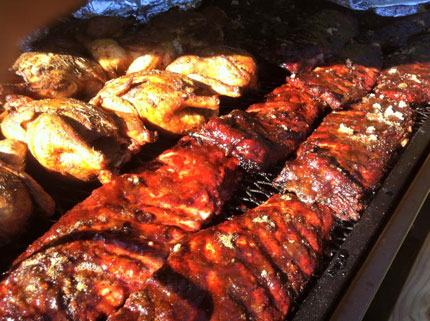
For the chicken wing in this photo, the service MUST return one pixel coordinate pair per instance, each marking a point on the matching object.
(170, 101)
(18, 191)
(227, 70)
(52, 75)
(71, 137)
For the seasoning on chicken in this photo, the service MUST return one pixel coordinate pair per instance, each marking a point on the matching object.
(129, 55)
(316, 39)
(344, 80)
(251, 267)
(406, 76)
(154, 46)
(52, 75)
(226, 70)
(18, 191)
(173, 102)
(71, 137)
(105, 248)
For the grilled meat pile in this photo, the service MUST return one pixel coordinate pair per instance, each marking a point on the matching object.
(144, 246)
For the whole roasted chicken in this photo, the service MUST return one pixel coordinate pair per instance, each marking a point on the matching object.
(73, 138)
(195, 38)
(228, 71)
(18, 191)
(170, 101)
(53, 75)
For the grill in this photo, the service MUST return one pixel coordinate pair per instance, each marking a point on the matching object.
(353, 256)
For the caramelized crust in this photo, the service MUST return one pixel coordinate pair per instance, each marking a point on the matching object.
(406, 76)
(342, 82)
(251, 267)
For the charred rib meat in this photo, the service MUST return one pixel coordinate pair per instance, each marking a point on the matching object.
(267, 132)
(406, 76)
(348, 154)
(344, 80)
(251, 267)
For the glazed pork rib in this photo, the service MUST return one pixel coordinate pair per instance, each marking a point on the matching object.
(406, 76)
(348, 154)
(104, 248)
(345, 79)
(267, 132)
(251, 267)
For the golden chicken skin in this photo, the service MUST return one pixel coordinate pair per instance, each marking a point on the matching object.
(155, 45)
(228, 71)
(118, 58)
(18, 191)
(118, 51)
(71, 137)
(53, 75)
(170, 101)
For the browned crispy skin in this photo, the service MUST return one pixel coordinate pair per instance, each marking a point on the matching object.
(228, 71)
(173, 102)
(316, 39)
(15, 205)
(156, 44)
(251, 267)
(406, 76)
(344, 81)
(71, 137)
(52, 75)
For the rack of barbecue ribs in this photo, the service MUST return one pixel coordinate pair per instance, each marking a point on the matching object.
(141, 246)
